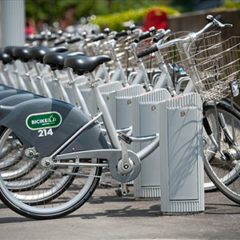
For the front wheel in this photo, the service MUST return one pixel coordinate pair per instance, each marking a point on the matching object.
(64, 190)
(69, 200)
(222, 166)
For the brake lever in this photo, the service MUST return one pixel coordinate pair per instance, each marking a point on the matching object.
(228, 25)
(213, 19)
(222, 25)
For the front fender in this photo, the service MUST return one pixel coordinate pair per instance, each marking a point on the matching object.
(11, 92)
(16, 99)
(32, 122)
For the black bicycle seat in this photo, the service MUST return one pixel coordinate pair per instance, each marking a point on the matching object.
(9, 51)
(22, 53)
(83, 64)
(56, 60)
(38, 53)
(5, 58)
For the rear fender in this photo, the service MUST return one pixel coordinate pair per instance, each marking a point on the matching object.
(47, 123)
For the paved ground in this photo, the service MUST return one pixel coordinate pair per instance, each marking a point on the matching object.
(107, 216)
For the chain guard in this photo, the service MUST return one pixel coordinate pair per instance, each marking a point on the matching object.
(123, 178)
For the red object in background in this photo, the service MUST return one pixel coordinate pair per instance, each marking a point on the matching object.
(29, 30)
(157, 18)
(30, 27)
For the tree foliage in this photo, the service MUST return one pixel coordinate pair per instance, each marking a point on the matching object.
(52, 9)
(115, 20)
(232, 4)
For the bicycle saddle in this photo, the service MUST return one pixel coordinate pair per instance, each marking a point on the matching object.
(22, 53)
(56, 60)
(5, 58)
(9, 51)
(82, 64)
(37, 53)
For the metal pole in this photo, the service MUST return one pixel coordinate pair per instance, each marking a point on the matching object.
(12, 22)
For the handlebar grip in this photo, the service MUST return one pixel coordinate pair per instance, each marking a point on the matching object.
(100, 37)
(74, 40)
(51, 38)
(59, 42)
(158, 37)
(145, 35)
(121, 34)
(147, 52)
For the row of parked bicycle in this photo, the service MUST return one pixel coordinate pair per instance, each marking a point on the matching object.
(57, 133)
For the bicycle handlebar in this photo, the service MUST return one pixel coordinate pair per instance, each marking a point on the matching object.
(121, 34)
(160, 35)
(100, 37)
(216, 21)
(59, 42)
(147, 51)
(74, 40)
(155, 39)
(193, 36)
(145, 35)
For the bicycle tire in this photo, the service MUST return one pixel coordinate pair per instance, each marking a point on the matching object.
(60, 204)
(228, 182)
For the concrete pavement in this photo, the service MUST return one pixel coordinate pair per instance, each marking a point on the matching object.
(107, 216)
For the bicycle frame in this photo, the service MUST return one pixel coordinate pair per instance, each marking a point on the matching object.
(126, 171)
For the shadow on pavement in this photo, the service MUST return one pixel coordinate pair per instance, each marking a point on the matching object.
(222, 208)
(128, 211)
(14, 220)
(2, 206)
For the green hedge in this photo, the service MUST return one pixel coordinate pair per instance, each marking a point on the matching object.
(232, 5)
(115, 20)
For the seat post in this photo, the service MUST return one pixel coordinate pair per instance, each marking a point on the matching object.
(78, 97)
(45, 89)
(3, 69)
(19, 79)
(111, 130)
(31, 80)
(61, 91)
(10, 70)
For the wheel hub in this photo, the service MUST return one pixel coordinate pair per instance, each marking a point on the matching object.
(232, 153)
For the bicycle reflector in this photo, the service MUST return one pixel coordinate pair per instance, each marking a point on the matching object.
(234, 88)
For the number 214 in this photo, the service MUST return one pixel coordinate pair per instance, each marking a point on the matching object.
(45, 132)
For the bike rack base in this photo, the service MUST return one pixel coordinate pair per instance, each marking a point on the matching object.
(146, 120)
(181, 154)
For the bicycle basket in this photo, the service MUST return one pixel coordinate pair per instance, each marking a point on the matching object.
(216, 67)
(176, 54)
